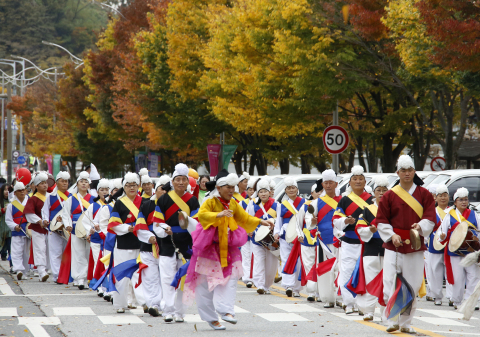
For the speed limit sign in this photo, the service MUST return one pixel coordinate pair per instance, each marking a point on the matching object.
(335, 139)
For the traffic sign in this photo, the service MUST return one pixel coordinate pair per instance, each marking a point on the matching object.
(438, 164)
(335, 139)
(15, 154)
(21, 160)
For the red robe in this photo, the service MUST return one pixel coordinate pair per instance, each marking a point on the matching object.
(35, 205)
(394, 211)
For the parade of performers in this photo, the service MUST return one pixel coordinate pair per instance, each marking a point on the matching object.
(186, 240)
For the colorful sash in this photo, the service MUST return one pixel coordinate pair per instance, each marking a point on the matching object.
(409, 200)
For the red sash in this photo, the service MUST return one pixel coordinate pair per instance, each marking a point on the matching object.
(174, 208)
(296, 202)
(267, 206)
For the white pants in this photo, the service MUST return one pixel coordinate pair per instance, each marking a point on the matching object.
(169, 266)
(39, 242)
(126, 293)
(56, 246)
(411, 266)
(20, 252)
(435, 271)
(350, 253)
(247, 261)
(221, 300)
(289, 281)
(151, 282)
(95, 247)
(468, 276)
(326, 282)
(80, 255)
(265, 266)
(372, 265)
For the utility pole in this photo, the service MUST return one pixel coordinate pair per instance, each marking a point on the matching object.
(220, 154)
(335, 159)
(9, 136)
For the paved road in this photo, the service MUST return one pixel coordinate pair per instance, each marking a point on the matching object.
(31, 308)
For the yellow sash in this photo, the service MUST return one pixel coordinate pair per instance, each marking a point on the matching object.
(308, 236)
(453, 213)
(40, 196)
(441, 212)
(330, 201)
(409, 200)
(130, 205)
(288, 206)
(272, 212)
(62, 195)
(373, 209)
(238, 197)
(359, 201)
(146, 196)
(84, 202)
(180, 203)
(18, 205)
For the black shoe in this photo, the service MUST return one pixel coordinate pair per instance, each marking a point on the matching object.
(450, 303)
(154, 312)
(100, 294)
(311, 299)
(289, 292)
(107, 298)
(249, 284)
(81, 287)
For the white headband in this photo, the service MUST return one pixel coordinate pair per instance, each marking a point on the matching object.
(84, 175)
(230, 180)
(244, 176)
(19, 186)
(143, 172)
(146, 179)
(289, 181)
(131, 178)
(263, 184)
(63, 175)
(380, 182)
(162, 181)
(462, 192)
(103, 183)
(357, 170)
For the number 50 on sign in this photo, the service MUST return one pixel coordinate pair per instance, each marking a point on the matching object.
(335, 139)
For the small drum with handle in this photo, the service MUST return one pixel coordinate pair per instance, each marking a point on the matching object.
(436, 241)
(291, 231)
(56, 225)
(264, 236)
(463, 240)
(80, 231)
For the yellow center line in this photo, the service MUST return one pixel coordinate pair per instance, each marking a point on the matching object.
(367, 323)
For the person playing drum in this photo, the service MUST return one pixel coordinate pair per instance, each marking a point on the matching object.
(286, 211)
(265, 263)
(457, 275)
(435, 266)
(405, 207)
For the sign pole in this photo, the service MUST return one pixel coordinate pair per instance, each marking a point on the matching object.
(335, 163)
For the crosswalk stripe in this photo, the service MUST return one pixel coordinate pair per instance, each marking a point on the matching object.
(5, 288)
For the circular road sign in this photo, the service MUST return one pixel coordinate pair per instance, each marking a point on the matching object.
(21, 160)
(15, 154)
(438, 164)
(335, 139)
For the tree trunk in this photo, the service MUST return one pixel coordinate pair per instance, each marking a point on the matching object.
(284, 166)
(351, 159)
(341, 164)
(304, 164)
(253, 162)
(237, 161)
(261, 165)
(361, 159)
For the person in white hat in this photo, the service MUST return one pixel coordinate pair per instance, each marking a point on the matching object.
(462, 278)
(373, 250)
(33, 213)
(222, 230)
(122, 221)
(94, 179)
(74, 207)
(405, 207)
(17, 222)
(435, 266)
(286, 210)
(92, 227)
(52, 209)
(174, 237)
(265, 263)
(324, 207)
(345, 218)
(142, 173)
(147, 187)
(150, 250)
(243, 180)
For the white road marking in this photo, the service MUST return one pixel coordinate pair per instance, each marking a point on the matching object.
(444, 313)
(283, 317)
(72, 311)
(32, 295)
(138, 311)
(120, 319)
(441, 321)
(8, 312)
(39, 320)
(354, 317)
(37, 330)
(5, 288)
(458, 333)
(296, 308)
(239, 310)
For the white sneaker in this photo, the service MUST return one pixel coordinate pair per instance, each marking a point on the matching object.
(168, 318)
(438, 302)
(216, 325)
(392, 328)
(179, 319)
(368, 317)
(121, 311)
(408, 330)
(296, 294)
(349, 310)
(267, 292)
